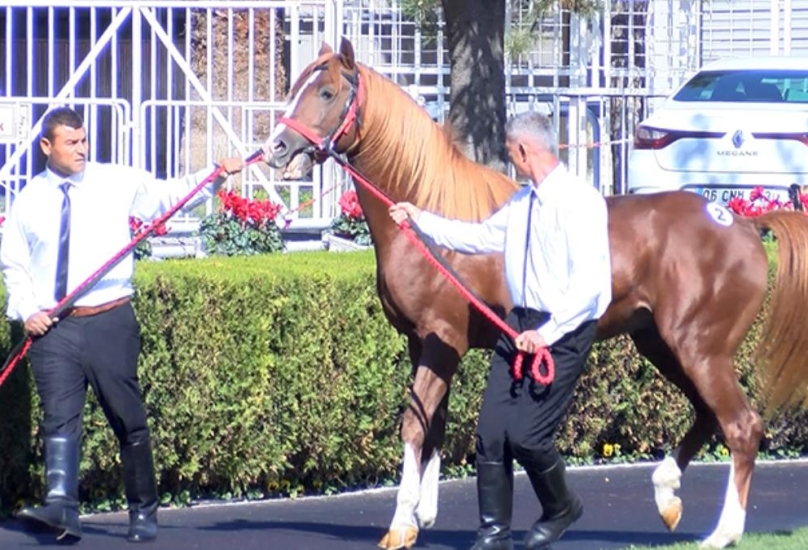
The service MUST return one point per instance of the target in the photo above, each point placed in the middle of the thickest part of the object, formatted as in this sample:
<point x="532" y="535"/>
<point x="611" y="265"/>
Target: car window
<point x="769" y="86"/>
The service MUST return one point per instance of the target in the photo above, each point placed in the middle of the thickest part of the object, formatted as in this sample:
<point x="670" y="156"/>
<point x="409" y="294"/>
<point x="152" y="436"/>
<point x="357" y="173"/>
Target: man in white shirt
<point x="554" y="235"/>
<point x="64" y="225"/>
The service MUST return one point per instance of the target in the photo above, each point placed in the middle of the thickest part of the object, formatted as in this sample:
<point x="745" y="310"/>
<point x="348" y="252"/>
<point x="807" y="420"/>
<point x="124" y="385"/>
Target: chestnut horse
<point x="689" y="279"/>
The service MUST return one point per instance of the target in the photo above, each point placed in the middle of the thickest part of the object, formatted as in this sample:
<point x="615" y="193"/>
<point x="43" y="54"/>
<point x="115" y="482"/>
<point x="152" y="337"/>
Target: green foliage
<point x="224" y="235"/>
<point x="351" y="223"/>
<point x="349" y="227"/>
<point x="241" y="227"/>
<point x="279" y="375"/>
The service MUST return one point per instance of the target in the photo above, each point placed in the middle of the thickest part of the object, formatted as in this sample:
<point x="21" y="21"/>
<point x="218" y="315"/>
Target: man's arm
<point x="467" y="237"/>
<point x="590" y="269"/>
<point x="15" y="260"/>
<point x="155" y="197"/>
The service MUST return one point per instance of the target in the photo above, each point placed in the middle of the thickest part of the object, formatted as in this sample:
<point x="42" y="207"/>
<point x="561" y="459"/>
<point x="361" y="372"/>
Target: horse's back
<point x="677" y="251"/>
<point x="679" y="216"/>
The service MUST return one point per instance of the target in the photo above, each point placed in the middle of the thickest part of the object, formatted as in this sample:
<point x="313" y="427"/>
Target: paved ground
<point x="619" y="512"/>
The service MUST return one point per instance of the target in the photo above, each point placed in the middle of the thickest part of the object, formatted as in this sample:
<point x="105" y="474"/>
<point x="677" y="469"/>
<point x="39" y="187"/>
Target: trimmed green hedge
<point x="279" y="375"/>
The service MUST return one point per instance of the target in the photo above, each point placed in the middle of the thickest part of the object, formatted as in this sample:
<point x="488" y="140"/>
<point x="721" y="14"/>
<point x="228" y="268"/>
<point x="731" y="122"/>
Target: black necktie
<point x="527" y="247"/>
<point x="64" y="245"/>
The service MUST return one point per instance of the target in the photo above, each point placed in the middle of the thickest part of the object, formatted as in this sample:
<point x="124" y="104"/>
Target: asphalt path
<point x="619" y="512"/>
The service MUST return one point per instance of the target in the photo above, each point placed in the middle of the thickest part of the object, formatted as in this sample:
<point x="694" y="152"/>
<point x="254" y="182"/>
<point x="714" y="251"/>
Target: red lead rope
<point x="19" y="351"/>
<point x="543" y="355"/>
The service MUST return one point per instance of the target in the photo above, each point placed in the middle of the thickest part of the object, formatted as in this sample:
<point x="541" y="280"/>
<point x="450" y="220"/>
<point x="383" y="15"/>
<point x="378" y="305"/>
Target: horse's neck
<point x="403" y="164"/>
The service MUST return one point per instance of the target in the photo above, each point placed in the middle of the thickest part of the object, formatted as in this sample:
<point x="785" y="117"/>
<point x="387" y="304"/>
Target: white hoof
<point x="399" y="537"/>
<point x="721" y="540"/>
<point x="733" y="518"/>
<point x="671" y="514"/>
<point x="427" y="510"/>
<point x="427" y="515"/>
<point x="667" y="478"/>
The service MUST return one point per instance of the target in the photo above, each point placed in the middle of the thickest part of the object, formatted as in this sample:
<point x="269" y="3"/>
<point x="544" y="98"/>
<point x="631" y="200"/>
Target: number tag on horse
<point x="720" y="214"/>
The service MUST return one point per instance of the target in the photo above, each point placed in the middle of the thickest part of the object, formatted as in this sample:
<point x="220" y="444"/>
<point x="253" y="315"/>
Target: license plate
<point x="725" y="194"/>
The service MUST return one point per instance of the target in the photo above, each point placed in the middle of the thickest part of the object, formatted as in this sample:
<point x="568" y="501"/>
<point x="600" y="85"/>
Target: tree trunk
<point x="475" y="31"/>
<point x="236" y="86"/>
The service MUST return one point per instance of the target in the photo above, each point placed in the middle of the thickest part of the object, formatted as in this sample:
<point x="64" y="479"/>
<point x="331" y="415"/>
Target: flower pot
<point x="335" y="243"/>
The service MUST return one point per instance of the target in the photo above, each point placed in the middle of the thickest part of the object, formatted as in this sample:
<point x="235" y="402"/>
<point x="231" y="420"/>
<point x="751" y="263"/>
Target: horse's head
<point x="322" y="112"/>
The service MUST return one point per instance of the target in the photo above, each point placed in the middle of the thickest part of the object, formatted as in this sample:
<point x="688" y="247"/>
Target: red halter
<point x="349" y="118"/>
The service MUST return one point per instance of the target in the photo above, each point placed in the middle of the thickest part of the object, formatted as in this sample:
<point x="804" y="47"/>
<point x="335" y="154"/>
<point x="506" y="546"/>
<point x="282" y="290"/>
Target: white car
<point x="735" y="125"/>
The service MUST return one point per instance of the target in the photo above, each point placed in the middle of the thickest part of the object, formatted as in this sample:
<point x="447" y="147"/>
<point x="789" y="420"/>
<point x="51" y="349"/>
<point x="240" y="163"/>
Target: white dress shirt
<point x="569" y="262"/>
<point x="101" y="200"/>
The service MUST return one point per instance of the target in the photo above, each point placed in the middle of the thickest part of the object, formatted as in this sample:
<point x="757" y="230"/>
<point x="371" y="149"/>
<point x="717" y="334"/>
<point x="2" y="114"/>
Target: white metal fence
<point x="171" y="85"/>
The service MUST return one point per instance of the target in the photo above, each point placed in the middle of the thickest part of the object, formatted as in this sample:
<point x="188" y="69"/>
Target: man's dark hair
<point x="61" y="116"/>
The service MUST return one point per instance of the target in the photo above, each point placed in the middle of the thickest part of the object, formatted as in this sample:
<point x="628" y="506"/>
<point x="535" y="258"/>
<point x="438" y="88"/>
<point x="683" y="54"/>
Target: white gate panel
<point x="195" y="81"/>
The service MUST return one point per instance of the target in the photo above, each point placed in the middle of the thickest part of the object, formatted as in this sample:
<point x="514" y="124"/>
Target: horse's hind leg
<point x="743" y="430"/>
<point x="422" y="430"/>
<point x="667" y="476"/>
<point x="717" y="394"/>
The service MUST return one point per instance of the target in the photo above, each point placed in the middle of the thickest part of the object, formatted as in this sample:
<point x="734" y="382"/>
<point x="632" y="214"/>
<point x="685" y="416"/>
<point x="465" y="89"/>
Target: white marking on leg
<point x="733" y="518"/>
<point x="290" y="110"/>
<point x="667" y="478"/>
<point x="427" y="511"/>
<point x="408" y="491"/>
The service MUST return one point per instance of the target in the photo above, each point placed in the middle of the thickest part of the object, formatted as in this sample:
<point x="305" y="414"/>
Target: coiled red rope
<point x="19" y="351"/>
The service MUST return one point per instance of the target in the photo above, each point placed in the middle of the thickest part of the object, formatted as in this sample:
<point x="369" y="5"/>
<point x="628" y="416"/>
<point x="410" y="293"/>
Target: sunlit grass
<point x="785" y="540"/>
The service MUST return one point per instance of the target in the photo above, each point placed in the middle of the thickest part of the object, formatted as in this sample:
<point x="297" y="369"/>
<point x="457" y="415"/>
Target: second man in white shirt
<point x="554" y="235"/>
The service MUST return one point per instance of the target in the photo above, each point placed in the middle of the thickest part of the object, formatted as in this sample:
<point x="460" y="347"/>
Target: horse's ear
<point x="324" y="49"/>
<point x="347" y="53"/>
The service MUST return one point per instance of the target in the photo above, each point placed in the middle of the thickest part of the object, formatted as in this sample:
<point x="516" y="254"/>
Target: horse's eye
<point x="326" y="94"/>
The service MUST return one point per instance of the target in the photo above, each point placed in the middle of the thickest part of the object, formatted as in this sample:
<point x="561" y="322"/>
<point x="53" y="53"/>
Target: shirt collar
<point x="56" y="180"/>
<point x="545" y="189"/>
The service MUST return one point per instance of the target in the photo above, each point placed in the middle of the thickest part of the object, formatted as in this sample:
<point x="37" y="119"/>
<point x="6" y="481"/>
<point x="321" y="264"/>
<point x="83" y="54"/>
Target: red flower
<point x="248" y="211"/>
<point x="349" y="203"/>
<point x="758" y="204"/>
<point x="2" y="220"/>
<point x="135" y="224"/>
<point x="136" y="227"/>
<point x="757" y="193"/>
<point x="161" y="229"/>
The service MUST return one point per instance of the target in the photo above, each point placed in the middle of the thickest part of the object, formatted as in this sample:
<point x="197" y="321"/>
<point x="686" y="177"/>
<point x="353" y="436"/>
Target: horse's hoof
<point x="399" y="537"/>
<point x="715" y="541"/>
<point x="426" y="515"/>
<point x="672" y="513"/>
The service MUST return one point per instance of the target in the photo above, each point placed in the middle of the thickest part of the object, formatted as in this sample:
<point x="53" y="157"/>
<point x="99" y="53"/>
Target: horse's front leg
<point x="422" y="434"/>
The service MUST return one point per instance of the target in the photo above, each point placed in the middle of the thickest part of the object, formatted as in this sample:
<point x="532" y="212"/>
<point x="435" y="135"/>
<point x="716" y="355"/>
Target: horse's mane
<point x="420" y="162"/>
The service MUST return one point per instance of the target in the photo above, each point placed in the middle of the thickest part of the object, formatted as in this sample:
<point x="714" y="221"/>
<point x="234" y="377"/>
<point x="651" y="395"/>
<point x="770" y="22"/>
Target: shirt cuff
<point x="549" y="331"/>
<point x="424" y="220"/>
<point x="206" y="171"/>
<point x="24" y="311"/>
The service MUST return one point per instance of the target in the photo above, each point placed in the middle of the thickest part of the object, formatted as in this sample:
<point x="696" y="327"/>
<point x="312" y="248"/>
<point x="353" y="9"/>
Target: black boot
<point x="61" y="510"/>
<point x="561" y="506"/>
<point x="495" y="497"/>
<point x="141" y="491"/>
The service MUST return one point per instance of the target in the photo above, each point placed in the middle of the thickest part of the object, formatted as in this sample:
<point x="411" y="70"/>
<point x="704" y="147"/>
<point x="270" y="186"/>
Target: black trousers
<point x="519" y="420"/>
<point x="100" y="350"/>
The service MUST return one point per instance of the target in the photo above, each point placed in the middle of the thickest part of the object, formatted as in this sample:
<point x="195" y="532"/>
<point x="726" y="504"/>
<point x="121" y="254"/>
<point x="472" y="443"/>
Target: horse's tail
<point x="782" y="354"/>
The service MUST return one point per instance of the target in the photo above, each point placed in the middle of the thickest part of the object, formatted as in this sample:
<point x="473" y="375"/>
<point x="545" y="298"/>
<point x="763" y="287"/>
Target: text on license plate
<point x="724" y="194"/>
